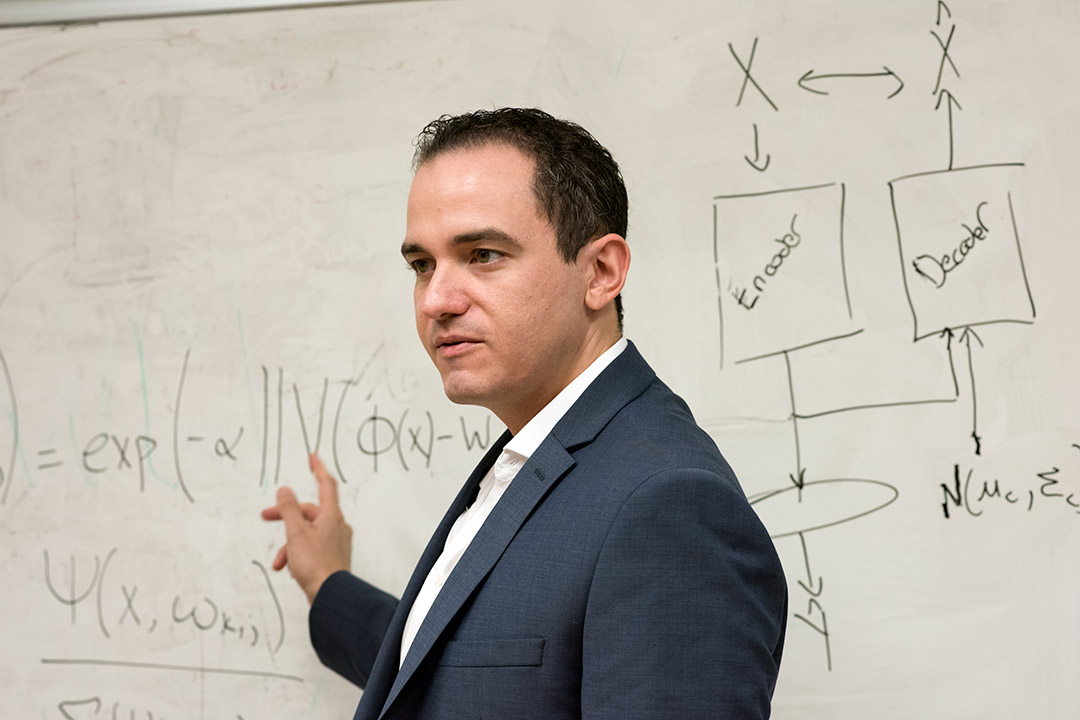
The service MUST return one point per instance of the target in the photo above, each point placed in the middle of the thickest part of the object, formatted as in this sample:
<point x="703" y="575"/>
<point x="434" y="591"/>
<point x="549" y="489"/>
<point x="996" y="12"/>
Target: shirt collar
<point x="524" y="444"/>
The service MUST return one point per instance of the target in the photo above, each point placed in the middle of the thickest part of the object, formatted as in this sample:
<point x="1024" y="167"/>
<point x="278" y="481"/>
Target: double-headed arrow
<point x="810" y="77"/>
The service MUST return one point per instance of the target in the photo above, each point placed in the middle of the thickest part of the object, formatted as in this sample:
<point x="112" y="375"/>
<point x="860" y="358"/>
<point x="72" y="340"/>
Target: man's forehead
<point x="470" y="195"/>
<point x="491" y="156"/>
<point x="497" y="176"/>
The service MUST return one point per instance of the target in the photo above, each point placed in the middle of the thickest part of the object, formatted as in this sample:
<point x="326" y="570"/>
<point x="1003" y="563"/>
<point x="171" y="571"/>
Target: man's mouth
<point x="452" y="346"/>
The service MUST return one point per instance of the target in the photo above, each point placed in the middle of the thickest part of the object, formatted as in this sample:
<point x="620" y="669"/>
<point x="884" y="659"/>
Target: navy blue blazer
<point x="622" y="575"/>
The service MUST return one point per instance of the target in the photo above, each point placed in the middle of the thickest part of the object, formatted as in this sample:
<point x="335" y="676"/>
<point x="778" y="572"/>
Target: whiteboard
<point x="853" y="256"/>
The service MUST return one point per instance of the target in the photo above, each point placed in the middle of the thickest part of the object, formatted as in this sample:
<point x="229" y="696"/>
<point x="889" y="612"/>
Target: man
<point x="601" y="561"/>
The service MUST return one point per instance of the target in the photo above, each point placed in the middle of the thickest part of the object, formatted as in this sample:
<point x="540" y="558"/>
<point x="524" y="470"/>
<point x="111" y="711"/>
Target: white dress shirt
<point x="514" y="455"/>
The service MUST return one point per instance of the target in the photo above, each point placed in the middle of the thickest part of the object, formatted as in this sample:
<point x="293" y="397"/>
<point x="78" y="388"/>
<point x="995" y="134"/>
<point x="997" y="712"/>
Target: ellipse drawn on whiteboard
<point x="818" y="505"/>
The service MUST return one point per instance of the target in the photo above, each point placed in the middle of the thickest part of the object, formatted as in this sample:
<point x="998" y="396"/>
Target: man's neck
<point x="515" y="421"/>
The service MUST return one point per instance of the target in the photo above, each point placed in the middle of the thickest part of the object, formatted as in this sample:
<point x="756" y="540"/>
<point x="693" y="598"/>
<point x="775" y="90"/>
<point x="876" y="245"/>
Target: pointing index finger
<point x="328" y="494"/>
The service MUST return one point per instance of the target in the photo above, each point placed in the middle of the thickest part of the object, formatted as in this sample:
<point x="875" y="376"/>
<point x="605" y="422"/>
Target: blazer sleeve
<point x="347" y="622"/>
<point x="688" y="606"/>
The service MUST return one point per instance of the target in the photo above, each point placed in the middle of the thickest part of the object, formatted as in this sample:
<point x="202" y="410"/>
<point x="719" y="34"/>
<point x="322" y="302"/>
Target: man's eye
<point x="484" y="256"/>
<point x="420" y="265"/>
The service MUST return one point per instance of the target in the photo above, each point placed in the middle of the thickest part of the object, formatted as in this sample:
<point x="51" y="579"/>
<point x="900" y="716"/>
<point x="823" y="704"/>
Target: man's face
<point x="499" y="311"/>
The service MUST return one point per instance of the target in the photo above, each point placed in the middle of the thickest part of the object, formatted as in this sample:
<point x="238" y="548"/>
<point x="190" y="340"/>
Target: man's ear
<point x="607" y="260"/>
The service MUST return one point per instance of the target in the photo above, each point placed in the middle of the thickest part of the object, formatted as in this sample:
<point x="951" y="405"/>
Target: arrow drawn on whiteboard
<point x="965" y="337"/>
<point x="757" y="155"/>
<point x="808" y="77"/>
<point x="950" y="102"/>
<point x="941" y="5"/>
<point x="966" y="334"/>
<point x="948" y="334"/>
<point x="798" y="478"/>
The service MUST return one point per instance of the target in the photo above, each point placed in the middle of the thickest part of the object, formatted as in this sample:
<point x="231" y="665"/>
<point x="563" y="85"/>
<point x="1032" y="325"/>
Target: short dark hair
<point x="577" y="184"/>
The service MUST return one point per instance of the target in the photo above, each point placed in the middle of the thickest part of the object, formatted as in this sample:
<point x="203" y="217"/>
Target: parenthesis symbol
<point x="277" y="604"/>
<point x="101" y="583"/>
<point x="400" y="427"/>
<point x="176" y="427"/>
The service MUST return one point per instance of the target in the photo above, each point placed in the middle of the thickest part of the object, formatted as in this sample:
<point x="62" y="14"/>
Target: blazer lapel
<point x="385" y="668"/>
<point x="536" y="477"/>
<point x="626" y="378"/>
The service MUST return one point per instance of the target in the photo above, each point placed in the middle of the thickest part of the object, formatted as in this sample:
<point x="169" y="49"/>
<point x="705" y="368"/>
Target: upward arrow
<point x="967" y="334"/>
<point x="949" y="102"/>
<point x="965" y="338"/>
<point x="948" y="334"/>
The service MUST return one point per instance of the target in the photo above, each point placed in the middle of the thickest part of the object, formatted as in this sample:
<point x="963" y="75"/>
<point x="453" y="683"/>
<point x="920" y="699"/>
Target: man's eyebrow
<point x="411" y="249"/>
<point x="489" y="234"/>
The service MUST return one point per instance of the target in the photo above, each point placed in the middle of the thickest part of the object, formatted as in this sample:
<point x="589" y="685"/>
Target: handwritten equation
<point x="77" y="584"/>
<point x="123" y="601"/>
<point x="1055" y="489"/>
<point x="363" y="436"/>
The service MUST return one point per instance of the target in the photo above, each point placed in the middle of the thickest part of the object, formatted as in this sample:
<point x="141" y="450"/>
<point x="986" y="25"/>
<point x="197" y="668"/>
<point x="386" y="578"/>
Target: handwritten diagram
<point x="782" y="287"/>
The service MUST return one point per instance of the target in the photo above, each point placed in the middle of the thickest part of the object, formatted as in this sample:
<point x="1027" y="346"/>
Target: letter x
<point x="129" y="597"/>
<point x="944" y="56"/>
<point x="747" y="78"/>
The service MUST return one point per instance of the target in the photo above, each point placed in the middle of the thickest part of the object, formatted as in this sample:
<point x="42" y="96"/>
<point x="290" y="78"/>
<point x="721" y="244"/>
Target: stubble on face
<point x="497" y="308"/>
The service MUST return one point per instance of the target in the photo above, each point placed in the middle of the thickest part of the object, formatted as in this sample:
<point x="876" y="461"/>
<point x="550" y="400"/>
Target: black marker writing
<point x="1049" y="489"/>
<point x="937" y="270"/>
<point x="788" y="242"/>
<point x="136" y="612"/>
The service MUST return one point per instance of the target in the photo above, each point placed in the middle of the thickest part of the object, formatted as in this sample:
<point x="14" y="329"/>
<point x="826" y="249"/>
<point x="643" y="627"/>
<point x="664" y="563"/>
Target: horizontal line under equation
<point x="173" y="668"/>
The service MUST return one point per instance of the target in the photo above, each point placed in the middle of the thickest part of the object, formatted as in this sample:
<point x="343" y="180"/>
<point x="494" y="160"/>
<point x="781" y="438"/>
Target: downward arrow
<point x="757" y="155"/>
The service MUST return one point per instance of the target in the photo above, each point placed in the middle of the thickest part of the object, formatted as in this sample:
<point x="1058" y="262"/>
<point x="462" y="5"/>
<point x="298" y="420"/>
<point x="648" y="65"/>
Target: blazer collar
<point x="622" y="381"/>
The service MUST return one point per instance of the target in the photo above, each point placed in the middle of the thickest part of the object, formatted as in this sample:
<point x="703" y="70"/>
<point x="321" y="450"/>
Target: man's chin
<point x="463" y="393"/>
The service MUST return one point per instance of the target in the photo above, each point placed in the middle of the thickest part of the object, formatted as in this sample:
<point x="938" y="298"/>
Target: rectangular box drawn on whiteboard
<point x="780" y="275"/>
<point x="960" y="248"/>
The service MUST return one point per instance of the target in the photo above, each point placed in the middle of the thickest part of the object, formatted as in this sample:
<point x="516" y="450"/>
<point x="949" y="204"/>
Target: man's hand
<point x="318" y="541"/>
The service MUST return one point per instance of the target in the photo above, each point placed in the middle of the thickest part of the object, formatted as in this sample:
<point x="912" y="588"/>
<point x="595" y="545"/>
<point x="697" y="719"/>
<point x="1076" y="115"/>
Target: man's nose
<point x="444" y="295"/>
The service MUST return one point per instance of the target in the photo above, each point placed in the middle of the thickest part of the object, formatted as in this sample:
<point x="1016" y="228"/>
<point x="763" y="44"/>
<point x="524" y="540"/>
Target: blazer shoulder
<point x="657" y="432"/>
